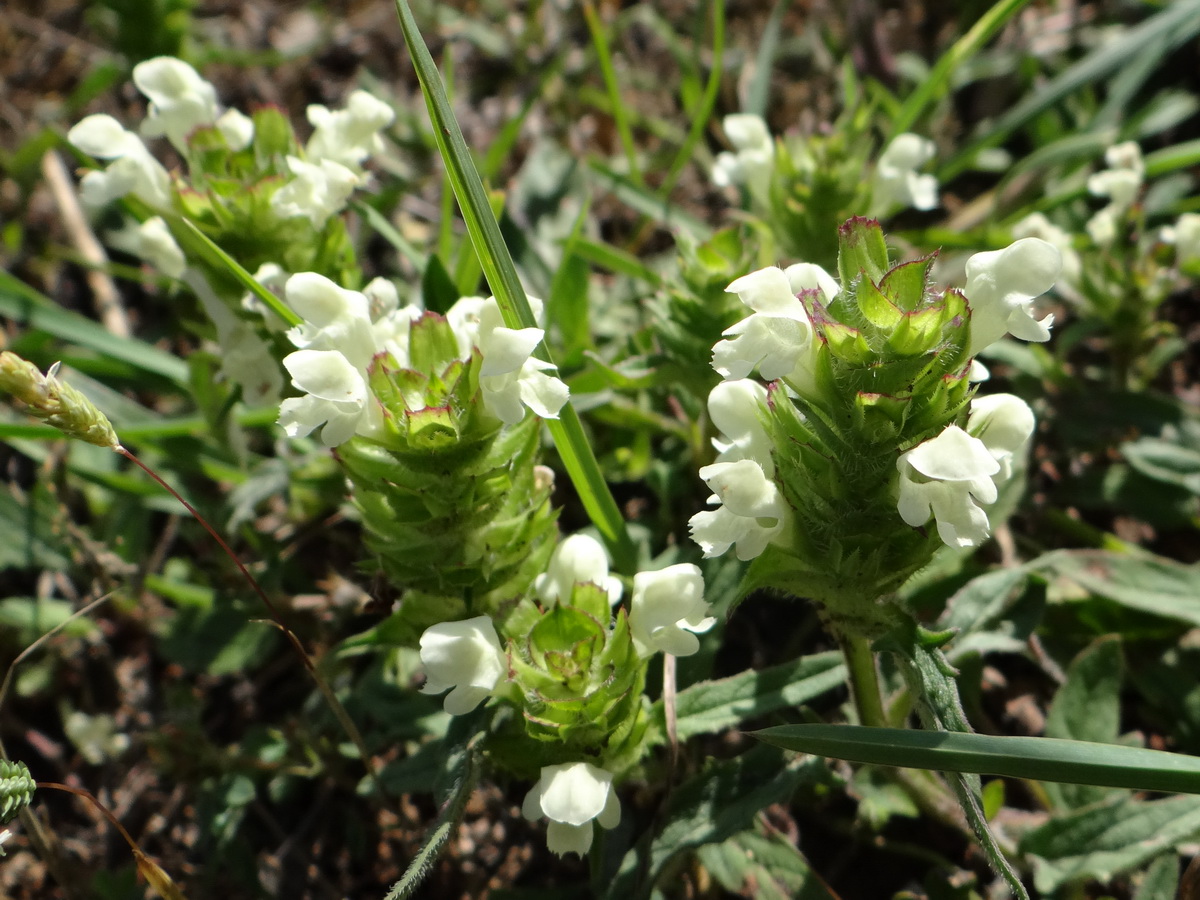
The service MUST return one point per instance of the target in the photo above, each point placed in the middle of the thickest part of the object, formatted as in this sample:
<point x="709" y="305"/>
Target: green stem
<point x="864" y="681"/>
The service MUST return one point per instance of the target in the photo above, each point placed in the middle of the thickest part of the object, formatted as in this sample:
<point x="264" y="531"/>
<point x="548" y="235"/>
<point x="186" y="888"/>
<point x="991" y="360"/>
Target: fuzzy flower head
<point x="948" y="477"/>
<point x="750" y="511"/>
<point x="1001" y="287"/>
<point x="751" y="161"/>
<point x="465" y="656"/>
<point x="896" y="183"/>
<point x="668" y="610"/>
<point x="577" y="559"/>
<point x="180" y="100"/>
<point x="573" y="796"/>
<point x="777" y="339"/>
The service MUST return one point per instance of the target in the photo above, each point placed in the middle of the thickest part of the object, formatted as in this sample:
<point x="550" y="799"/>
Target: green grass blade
<point x="391" y="234"/>
<point x="29" y="307"/>
<point x="202" y="245"/>
<point x="938" y="82"/>
<point x="501" y="274"/>
<point x="1175" y="25"/>
<point x="703" y="111"/>
<point x="764" y="62"/>
<point x="1042" y="759"/>
<point x="617" y="105"/>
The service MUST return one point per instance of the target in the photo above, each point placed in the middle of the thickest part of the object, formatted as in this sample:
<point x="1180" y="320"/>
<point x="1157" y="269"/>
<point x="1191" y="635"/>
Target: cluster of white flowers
<point x="181" y="101"/>
<point x="344" y="330"/>
<point x="1120" y="183"/>
<point x="949" y="476"/>
<point x="896" y="183"/>
<point x="750" y="510"/>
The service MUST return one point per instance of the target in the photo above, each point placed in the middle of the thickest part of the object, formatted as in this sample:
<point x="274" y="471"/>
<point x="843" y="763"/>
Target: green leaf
<point x="1160" y="881"/>
<point x="714" y="805"/>
<point x="713" y="706"/>
<point x="763" y="866"/>
<point x="1103" y="841"/>
<point x="1149" y="584"/>
<point x="1087" y="708"/>
<point x="1043" y="759"/>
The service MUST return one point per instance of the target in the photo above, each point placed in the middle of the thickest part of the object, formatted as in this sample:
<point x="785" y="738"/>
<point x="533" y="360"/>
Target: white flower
<point x="736" y="407"/>
<point x="1001" y="287"/>
<point x="337" y="344"/>
<point x="350" y="135"/>
<point x="1185" y="235"/>
<point x="751" y="514"/>
<point x="896" y="182"/>
<point x="668" y="610"/>
<point x="337" y="398"/>
<point x="572" y="796"/>
<point x="777" y="338"/>
<point x="132" y="170"/>
<point x="237" y="128"/>
<point x="334" y="318"/>
<point x="465" y="656"/>
<point x="246" y="359"/>
<point x="180" y="100"/>
<point x="947" y="476"/>
<point x="1120" y="182"/>
<point x="316" y="192"/>
<point x="1005" y="424"/>
<point x="272" y="277"/>
<point x="1038" y="226"/>
<point x="95" y="737"/>
<point x="5" y="836"/>
<point x="152" y="241"/>
<point x="754" y="153"/>
<point x="578" y="558"/>
<point x="510" y="377"/>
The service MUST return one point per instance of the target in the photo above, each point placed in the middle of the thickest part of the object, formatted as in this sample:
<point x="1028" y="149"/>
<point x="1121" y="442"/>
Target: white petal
<point x="767" y="291"/>
<point x="103" y="137"/>
<point x="562" y="838"/>
<point x="953" y="456"/>
<point x="574" y="793"/>
<point x="326" y="374"/>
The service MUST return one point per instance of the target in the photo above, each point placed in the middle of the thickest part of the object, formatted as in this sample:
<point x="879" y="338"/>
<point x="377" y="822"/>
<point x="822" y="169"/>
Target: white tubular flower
<point x="1001" y="287"/>
<point x="751" y="514"/>
<point x="572" y="796"/>
<point x="896" y="182"/>
<point x="735" y="407"/>
<point x="578" y="558"/>
<point x="237" y="128"/>
<point x="349" y="135"/>
<point x="337" y="398"/>
<point x="151" y="241"/>
<point x="1005" y="424"/>
<point x="334" y="318"/>
<point x="511" y="379"/>
<point x="132" y="170"/>
<point x="316" y="192"/>
<point x="180" y="100"/>
<point x="1120" y="183"/>
<point x="1185" y="235"/>
<point x="777" y="338"/>
<point x="946" y="477"/>
<point x="668" y="610"/>
<point x="1037" y="225"/>
<point x="465" y="656"/>
<point x="754" y="153"/>
<point x="246" y="359"/>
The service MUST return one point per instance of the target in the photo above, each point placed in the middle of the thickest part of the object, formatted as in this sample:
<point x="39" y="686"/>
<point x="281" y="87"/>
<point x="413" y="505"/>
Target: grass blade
<point x="937" y="83"/>
<point x="1175" y="25"/>
<point x="1042" y="759"/>
<point x="29" y="307"/>
<point x="618" y="107"/>
<point x="501" y="274"/>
